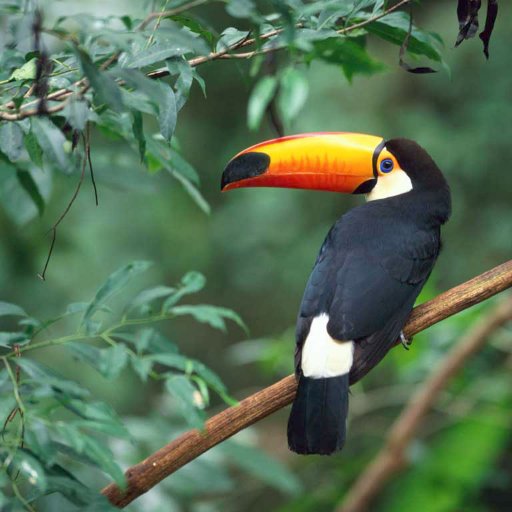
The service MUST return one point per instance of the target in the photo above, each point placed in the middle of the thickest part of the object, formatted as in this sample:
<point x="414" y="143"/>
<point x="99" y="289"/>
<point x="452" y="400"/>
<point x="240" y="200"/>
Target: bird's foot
<point x="404" y="341"/>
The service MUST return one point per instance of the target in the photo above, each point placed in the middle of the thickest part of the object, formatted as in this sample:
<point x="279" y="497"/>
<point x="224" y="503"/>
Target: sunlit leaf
<point x="25" y="72"/>
<point x="293" y="93"/>
<point x="261" y="96"/>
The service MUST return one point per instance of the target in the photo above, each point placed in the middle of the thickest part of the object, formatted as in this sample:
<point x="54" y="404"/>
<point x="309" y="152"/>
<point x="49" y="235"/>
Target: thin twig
<point x="145" y="475"/>
<point x="393" y="457"/>
<point x="62" y="216"/>
<point x="87" y="141"/>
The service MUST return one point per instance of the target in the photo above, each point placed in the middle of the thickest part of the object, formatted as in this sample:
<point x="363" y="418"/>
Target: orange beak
<point x="338" y="162"/>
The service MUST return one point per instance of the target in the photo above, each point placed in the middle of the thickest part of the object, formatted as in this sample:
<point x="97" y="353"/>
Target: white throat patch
<point x="389" y="185"/>
<point x="323" y="356"/>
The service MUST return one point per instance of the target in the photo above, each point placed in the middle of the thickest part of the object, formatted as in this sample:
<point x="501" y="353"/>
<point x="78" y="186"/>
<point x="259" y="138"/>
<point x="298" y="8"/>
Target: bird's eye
<point x="386" y="165"/>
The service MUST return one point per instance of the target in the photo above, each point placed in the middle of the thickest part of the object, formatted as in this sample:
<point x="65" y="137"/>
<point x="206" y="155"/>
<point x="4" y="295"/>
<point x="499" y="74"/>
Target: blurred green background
<point x="257" y="248"/>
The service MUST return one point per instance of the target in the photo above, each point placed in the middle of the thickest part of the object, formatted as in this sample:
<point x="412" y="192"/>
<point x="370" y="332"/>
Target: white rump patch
<point x="323" y="356"/>
<point x="389" y="185"/>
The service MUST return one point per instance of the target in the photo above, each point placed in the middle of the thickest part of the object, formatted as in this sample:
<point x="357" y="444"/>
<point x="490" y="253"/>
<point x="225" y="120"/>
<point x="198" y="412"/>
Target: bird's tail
<point x="318" y="419"/>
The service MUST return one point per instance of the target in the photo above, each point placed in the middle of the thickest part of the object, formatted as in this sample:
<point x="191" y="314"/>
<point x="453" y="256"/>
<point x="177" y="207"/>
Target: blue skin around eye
<point x="386" y="165"/>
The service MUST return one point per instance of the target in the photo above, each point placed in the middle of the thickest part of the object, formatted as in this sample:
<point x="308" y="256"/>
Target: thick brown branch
<point x="392" y="457"/>
<point x="146" y="474"/>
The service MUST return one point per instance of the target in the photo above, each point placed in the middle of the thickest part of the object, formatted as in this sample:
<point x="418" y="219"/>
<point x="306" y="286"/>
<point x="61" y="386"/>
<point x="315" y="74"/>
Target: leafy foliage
<point x="118" y="73"/>
<point x="52" y="421"/>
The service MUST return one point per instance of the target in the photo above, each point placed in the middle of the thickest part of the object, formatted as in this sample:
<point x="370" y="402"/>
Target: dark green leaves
<point x="11" y="140"/>
<point x="31" y="188"/>
<point x="167" y="111"/>
<point x="105" y="87"/>
<point x="349" y="54"/>
<point x="394" y="28"/>
<point x="52" y="142"/>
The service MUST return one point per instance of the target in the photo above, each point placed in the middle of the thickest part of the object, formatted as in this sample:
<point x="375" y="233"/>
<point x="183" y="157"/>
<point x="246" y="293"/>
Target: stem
<point x="50" y="343"/>
<point x="15" y="389"/>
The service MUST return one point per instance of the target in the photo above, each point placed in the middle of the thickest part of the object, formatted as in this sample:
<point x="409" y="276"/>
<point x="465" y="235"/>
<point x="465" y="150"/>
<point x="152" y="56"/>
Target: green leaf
<point x="149" y="295"/>
<point x="229" y="37"/>
<point x="347" y="53"/>
<point x="52" y="141"/>
<point x="184" y="81"/>
<point x="104" y="458"/>
<point x="156" y="53"/>
<point x="257" y="463"/>
<point x="189" y="399"/>
<point x="261" y="97"/>
<point x="25" y="72"/>
<point x="30" y="186"/>
<point x="106" y="89"/>
<point x="108" y="361"/>
<point x="394" y="28"/>
<point x="293" y="93"/>
<point x="167" y="111"/>
<point x="11" y="140"/>
<point x="142" y="366"/>
<point x="211" y="315"/>
<point x="192" y="282"/>
<point x="30" y="468"/>
<point x="43" y="375"/>
<point x="33" y="149"/>
<point x="77" y="113"/>
<point x="138" y="133"/>
<point x="113" y="360"/>
<point x="8" y="309"/>
<point x="113" y="284"/>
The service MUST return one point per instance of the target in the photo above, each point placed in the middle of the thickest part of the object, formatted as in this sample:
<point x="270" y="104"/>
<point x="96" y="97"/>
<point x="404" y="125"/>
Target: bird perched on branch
<point x="371" y="267"/>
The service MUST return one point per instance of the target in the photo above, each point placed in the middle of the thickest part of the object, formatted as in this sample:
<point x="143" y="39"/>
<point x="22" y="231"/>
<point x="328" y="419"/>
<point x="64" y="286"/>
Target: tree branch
<point x="393" y="458"/>
<point x="146" y="474"/>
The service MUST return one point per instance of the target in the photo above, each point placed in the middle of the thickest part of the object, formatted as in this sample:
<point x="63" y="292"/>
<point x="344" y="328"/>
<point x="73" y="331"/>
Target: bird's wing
<point x="367" y="279"/>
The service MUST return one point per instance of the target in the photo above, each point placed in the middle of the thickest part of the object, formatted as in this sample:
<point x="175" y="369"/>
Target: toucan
<point x="370" y="269"/>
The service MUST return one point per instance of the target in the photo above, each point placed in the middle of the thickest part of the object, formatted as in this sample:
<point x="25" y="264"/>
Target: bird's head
<point x="352" y="163"/>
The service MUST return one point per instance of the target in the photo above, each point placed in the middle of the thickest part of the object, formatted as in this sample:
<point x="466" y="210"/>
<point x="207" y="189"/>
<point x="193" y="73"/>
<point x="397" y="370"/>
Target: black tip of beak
<point x="247" y="165"/>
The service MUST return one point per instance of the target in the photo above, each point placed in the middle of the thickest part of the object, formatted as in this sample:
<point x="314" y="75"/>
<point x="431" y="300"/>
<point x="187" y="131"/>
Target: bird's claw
<point x="404" y="341"/>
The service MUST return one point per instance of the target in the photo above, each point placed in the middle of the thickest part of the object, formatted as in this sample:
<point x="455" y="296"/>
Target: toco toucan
<point x="371" y="267"/>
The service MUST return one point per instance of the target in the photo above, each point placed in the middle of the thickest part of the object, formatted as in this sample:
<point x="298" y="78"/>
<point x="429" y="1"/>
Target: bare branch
<point x="145" y="475"/>
<point x="392" y="457"/>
